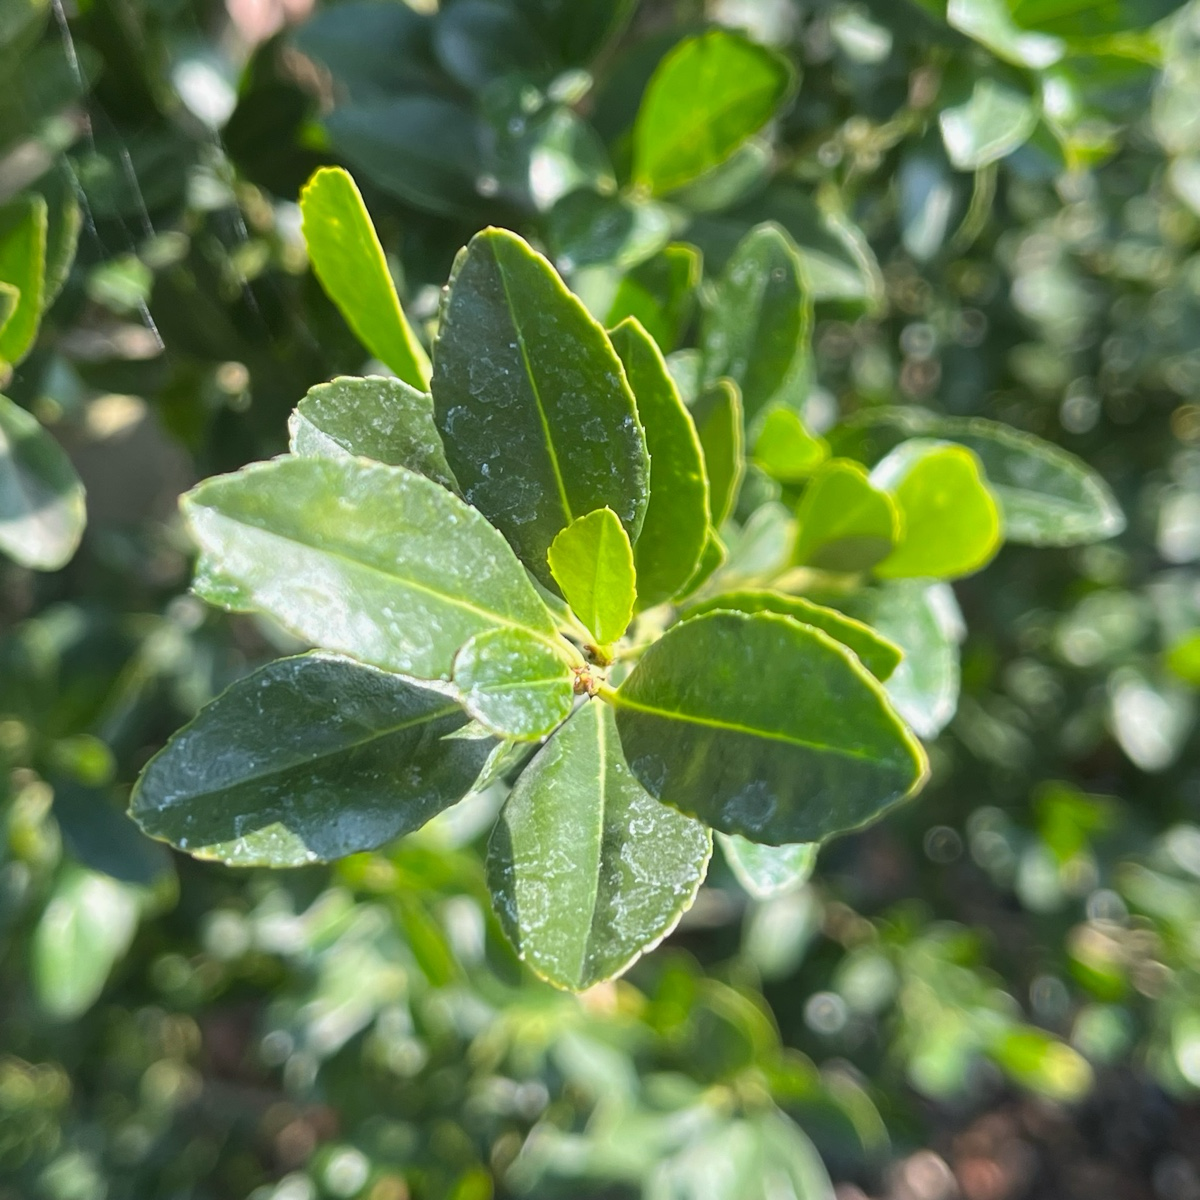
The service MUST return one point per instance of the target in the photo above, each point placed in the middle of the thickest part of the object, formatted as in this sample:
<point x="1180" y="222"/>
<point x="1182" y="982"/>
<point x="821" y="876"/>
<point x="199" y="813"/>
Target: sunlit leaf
<point x="23" y="224"/>
<point x="784" y="448"/>
<point x="592" y="562"/>
<point x="845" y="523"/>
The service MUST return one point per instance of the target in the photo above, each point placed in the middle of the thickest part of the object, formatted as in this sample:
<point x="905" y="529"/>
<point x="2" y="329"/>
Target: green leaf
<point x="990" y="23"/>
<point x="712" y="721"/>
<point x="586" y="228"/>
<point x="951" y="523"/>
<point x="675" y="530"/>
<point x="23" y="225"/>
<point x="711" y="560"/>
<point x="768" y="871"/>
<point x="876" y="653"/>
<point x="1047" y="496"/>
<point x="516" y="685"/>
<point x="706" y="97"/>
<point x="988" y="116"/>
<point x="717" y="414"/>
<point x="538" y="420"/>
<point x="785" y="450"/>
<point x="845" y="524"/>
<point x="1183" y="659"/>
<point x="1073" y="20"/>
<point x="348" y="260"/>
<point x="383" y="419"/>
<point x="306" y="760"/>
<point x="369" y="560"/>
<point x="42" y="511"/>
<point x="925" y="622"/>
<point x="757" y="329"/>
<point x="10" y="297"/>
<point x="660" y="293"/>
<point x="84" y="931"/>
<point x="64" y="223"/>
<point x="586" y="870"/>
<point x="592" y="562"/>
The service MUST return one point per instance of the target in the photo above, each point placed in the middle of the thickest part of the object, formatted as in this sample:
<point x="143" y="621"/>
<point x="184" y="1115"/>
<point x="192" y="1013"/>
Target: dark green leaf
<point x="767" y="871"/>
<point x="348" y="259"/>
<point x="714" y="721"/>
<point x="306" y="760"/>
<point x="22" y="265"/>
<point x="369" y="560"/>
<point x="845" y="523"/>
<point x="707" y="96"/>
<point x="586" y="228"/>
<point x="720" y="425"/>
<point x="675" y="530"/>
<point x="586" y="870"/>
<point x="1072" y="19"/>
<point x="660" y="293"/>
<point x="592" y="562"/>
<point x="41" y="499"/>
<point x="539" y="423"/>
<point x="479" y="42"/>
<point x="383" y="419"/>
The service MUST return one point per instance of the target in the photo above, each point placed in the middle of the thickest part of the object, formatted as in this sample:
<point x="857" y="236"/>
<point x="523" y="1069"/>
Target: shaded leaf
<point x="660" y="293"/>
<point x="986" y="118"/>
<point x="587" y="871"/>
<point x="711" y="560"/>
<point x="592" y="562"/>
<point x="766" y="871"/>
<point x="717" y="414"/>
<point x="845" y="523"/>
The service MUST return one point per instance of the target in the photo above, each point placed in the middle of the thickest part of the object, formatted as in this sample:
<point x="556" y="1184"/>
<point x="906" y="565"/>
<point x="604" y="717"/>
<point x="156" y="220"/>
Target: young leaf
<point x="757" y="330"/>
<point x="592" y="562"/>
<point x="717" y="414"/>
<point x="845" y="523"/>
<point x="587" y="871"/>
<point x="950" y="520"/>
<point x="876" y="653"/>
<point x="676" y="526"/>
<point x="23" y="225"/>
<point x="708" y="96"/>
<point x="383" y="419"/>
<point x="307" y="759"/>
<point x="539" y="423"/>
<point x="348" y="260"/>
<point x="764" y="727"/>
<point x="767" y="871"/>
<point x="517" y="685"/>
<point x="373" y="561"/>
<point x="41" y="499"/>
<point x="785" y="450"/>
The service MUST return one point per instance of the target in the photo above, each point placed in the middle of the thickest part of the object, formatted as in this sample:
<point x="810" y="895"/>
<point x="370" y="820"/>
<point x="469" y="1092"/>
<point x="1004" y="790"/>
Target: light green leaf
<point x="84" y="931"/>
<point x="785" y="450"/>
<point x="42" y="511"/>
<point x="712" y="721"/>
<point x="1183" y="659"/>
<point x="306" y="760"/>
<point x="10" y="297"/>
<point x="384" y="419"/>
<point x="348" y="260"/>
<point x="586" y="870"/>
<point x="988" y="117"/>
<point x="674" y="532"/>
<point x="767" y="871"/>
<point x="876" y="653"/>
<point x="925" y="622"/>
<point x="23" y="225"/>
<point x="592" y="562"/>
<point x="516" y="685"/>
<point x="757" y="329"/>
<point x="951" y="523"/>
<point x="707" y="96"/>
<point x="369" y="560"/>
<point x="845" y="524"/>
<point x="1047" y="496"/>
<point x="990" y="23"/>
<point x="720" y="425"/>
<point x="538" y="420"/>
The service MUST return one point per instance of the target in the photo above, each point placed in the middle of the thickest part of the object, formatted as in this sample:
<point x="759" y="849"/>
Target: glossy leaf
<point x="720" y="425"/>
<point x="369" y="560"/>
<point x="538" y="421"/>
<point x="23" y="224"/>
<point x="767" y="871"/>
<point x="516" y="685"/>
<point x="876" y="653"/>
<point x="346" y="255"/>
<point x="592" y="562"/>
<point x="766" y="728"/>
<point x="757" y="329"/>
<point x="987" y="117"/>
<point x="707" y="96"/>
<point x="586" y="228"/>
<point x="674" y="532"/>
<point x="586" y="870"/>
<point x="990" y="23"/>
<point x="784" y="448"/>
<point x="951" y="523"/>
<point x="845" y="523"/>
<point x="41" y="499"/>
<point x="383" y="419"/>
<point x="306" y="760"/>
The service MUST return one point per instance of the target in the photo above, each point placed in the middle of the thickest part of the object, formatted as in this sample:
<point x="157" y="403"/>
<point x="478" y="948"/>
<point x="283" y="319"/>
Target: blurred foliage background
<point x="994" y="993"/>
